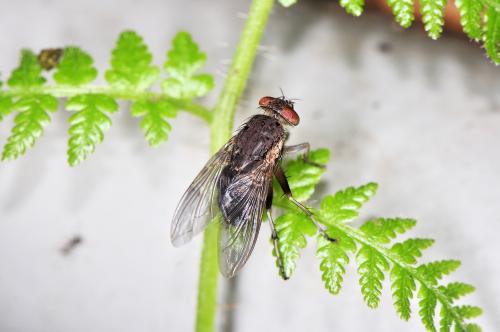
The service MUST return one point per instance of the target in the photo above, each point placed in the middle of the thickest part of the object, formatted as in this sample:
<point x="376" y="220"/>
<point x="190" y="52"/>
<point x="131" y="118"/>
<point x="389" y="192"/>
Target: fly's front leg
<point x="274" y="234"/>
<point x="281" y="177"/>
<point x="302" y="149"/>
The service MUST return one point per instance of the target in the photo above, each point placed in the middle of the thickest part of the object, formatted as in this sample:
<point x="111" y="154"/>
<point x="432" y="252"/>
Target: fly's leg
<point x="274" y="237"/>
<point x="302" y="149"/>
<point x="281" y="177"/>
<point x="274" y="234"/>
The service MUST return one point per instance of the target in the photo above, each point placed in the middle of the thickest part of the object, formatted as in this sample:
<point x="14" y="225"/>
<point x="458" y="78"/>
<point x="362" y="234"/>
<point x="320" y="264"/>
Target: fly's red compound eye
<point x="265" y="101"/>
<point x="289" y="114"/>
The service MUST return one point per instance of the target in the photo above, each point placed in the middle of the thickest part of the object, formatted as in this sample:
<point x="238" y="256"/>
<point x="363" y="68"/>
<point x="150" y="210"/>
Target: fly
<point x="236" y="184"/>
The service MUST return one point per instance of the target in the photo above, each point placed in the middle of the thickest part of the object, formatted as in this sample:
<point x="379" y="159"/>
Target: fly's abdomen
<point x="234" y="192"/>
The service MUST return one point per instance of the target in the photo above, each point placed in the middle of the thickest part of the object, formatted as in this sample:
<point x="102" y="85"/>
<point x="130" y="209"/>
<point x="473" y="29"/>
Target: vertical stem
<point x="207" y="284"/>
<point x="221" y="129"/>
<point x="238" y="74"/>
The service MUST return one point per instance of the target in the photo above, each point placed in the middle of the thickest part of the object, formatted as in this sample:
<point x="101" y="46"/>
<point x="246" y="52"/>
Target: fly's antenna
<point x="282" y="94"/>
<point x="290" y="100"/>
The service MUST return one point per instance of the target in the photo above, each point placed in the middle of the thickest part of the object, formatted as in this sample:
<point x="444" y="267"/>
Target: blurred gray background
<point x="421" y="118"/>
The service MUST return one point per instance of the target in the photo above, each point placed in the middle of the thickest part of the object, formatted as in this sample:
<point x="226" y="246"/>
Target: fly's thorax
<point x="259" y="139"/>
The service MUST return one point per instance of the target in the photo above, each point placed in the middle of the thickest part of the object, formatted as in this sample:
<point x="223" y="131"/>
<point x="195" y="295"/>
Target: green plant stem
<point x="123" y="94"/>
<point x="238" y="74"/>
<point x="221" y="129"/>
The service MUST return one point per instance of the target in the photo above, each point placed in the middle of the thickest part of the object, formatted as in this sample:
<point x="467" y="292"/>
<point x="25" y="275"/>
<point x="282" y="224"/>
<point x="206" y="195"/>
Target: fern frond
<point x="470" y="17"/>
<point x="492" y="34"/>
<point x="353" y="7"/>
<point x="154" y="122"/>
<point x="375" y="256"/>
<point x="88" y="124"/>
<point x="33" y="108"/>
<point x="456" y="290"/>
<point x="433" y="16"/>
<point x="28" y="74"/>
<point x="292" y="230"/>
<point x="427" y="304"/>
<point x="446" y="319"/>
<point x="183" y="61"/>
<point x="333" y="258"/>
<point x="5" y="106"/>
<point x="75" y="68"/>
<point x="404" y="276"/>
<point x="33" y="116"/>
<point x="403" y="11"/>
<point x="469" y="328"/>
<point x="304" y="177"/>
<point x="371" y="267"/>
<point x="130" y="76"/>
<point x="131" y="64"/>
<point x="384" y="230"/>
<point x="411" y="249"/>
<point x="345" y="204"/>
<point x="403" y="286"/>
<point x="434" y="271"/>
<point x="469" y="311"/>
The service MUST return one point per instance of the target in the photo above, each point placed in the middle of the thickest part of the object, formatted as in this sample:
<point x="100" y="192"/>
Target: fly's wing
<point x="197" y="206"/>
<point x="242" y="207"/>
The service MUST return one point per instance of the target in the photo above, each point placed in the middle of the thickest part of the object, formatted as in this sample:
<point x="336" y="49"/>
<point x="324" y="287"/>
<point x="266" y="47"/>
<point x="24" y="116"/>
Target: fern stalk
<point x="221" y="129"/>
<point x="62" y="91"/>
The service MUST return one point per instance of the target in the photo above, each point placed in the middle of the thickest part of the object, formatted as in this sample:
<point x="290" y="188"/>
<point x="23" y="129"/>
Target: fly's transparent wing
<point x="198" y="205"/>
<point x="243" y="205"/>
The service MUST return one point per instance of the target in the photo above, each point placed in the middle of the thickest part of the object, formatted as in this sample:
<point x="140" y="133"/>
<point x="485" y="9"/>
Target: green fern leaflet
<point x="131" y="64"/>
<point x="154" y="122"/>
<point x="33" y="116"/>
<point x="32" y="108"/>
<point x="88" y="124"/>
<point x="75" y="68"/>
<point x="184" y="61"/>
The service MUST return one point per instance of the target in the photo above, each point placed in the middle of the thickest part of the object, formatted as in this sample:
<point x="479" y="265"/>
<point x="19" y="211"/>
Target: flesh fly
<point x="235" y="186"/>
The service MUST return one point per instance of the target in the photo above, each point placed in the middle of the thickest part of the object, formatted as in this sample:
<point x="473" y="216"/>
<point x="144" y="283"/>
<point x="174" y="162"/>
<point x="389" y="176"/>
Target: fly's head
<point x="280" y="108"/>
